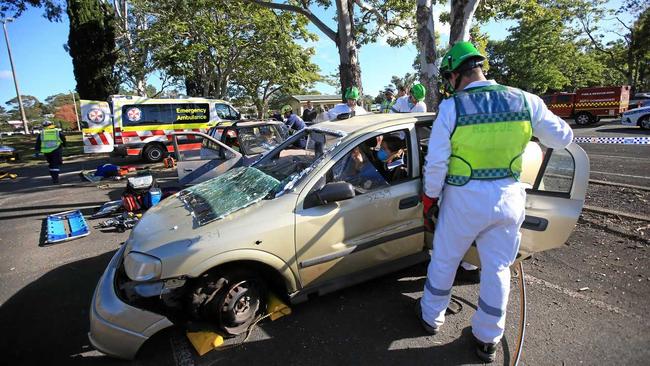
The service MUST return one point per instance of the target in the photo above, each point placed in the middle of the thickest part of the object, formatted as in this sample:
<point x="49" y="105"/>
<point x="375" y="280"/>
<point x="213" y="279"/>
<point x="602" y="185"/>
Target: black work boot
<point x="431" y="329"/>
<point x="467" y="276"/>
<point x="487" y="352"/>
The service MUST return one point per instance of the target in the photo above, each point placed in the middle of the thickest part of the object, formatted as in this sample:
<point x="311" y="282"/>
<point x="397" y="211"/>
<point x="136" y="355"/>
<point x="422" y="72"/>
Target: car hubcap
<point x="154" y="154"/>
<point x="583" y="120"/>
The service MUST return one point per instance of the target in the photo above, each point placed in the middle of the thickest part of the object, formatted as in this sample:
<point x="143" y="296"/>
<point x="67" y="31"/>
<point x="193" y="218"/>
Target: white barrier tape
<point x="613" y="140"/>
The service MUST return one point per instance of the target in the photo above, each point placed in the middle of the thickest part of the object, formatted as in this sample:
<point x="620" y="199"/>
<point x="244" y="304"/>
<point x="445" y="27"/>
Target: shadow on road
<point x="46" y="322"/>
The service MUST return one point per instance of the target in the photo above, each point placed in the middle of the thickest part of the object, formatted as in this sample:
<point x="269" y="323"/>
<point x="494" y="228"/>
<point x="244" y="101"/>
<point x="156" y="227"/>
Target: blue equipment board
<point x="66" y="226"/>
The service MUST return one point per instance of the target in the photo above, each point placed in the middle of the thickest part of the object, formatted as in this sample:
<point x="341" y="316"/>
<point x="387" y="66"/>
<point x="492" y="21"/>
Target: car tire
<point x="232" y="300"/>
<point x="644" y="122"/>
<point x="154" y="153"/>
<point x="584" y="118"/>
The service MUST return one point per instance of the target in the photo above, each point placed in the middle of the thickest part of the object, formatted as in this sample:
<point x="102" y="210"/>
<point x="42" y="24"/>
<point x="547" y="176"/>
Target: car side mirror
<point x="334" y="192"/>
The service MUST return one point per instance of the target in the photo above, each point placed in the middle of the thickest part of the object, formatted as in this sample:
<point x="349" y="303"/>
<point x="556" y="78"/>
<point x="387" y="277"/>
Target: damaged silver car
<point x="319" y="212"/>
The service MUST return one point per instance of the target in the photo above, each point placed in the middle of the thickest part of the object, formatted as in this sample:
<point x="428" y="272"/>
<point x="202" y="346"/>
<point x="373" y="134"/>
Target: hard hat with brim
<point x="459" y="53"/>
<point x="46" y="123"/>
<point x="418" y="92"/>
<point x="286" y="108"/>
<point x="352" y="93"/>
<point x="389" y="91"/>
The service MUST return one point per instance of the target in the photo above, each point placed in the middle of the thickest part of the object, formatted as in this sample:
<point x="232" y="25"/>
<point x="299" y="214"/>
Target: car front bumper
<point x="117" y="328"/>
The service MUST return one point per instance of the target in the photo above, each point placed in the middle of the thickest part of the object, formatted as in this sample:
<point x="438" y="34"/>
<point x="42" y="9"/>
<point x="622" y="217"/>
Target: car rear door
<point x="554" y="200"/>
<point x="198" y="165"/>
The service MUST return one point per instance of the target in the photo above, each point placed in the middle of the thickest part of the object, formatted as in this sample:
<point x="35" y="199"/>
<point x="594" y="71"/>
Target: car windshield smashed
<point x="271" y="176"/>
<point x="227" y="193"/>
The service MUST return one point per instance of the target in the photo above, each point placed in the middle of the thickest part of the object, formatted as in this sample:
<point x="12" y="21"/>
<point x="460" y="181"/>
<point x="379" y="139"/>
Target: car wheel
<point x="644" y="122"/>
<point x="584" y="118"/>
<point x="232" y="300"/>
<point x="154" y="153"/>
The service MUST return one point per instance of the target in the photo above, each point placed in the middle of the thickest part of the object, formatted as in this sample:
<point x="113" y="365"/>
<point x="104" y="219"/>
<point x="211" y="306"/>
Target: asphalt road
<point x="45" y="291"/>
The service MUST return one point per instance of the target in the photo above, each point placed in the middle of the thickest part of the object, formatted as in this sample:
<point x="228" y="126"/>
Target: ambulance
<point x="143" y="127"/>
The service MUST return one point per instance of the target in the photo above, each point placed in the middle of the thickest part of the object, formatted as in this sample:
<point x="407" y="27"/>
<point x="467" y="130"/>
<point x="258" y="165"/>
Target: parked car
<point x="229" y="144"/>
<point x="301" y="221"/>
<point x="637" y="117"/>
<point x="640" y="100"/>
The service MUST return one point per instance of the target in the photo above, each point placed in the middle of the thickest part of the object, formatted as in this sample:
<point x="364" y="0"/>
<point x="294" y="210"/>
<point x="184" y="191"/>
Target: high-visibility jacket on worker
<point x="493" y="127"/>
<point x="386" y="105"/>
<point x="50" y="140"/>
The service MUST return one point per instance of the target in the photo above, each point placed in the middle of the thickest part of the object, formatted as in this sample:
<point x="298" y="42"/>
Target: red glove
<point x="430" y="206"/>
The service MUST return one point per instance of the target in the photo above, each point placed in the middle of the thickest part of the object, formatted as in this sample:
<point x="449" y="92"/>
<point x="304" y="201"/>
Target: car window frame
<point x="318" y="175"/>
<point x="548" y="153"/>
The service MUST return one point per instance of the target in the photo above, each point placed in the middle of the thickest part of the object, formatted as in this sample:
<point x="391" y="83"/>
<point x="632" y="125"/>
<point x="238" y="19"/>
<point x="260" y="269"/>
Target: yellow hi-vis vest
<point x="493" y="126"/>
<point x="50" y="140"/>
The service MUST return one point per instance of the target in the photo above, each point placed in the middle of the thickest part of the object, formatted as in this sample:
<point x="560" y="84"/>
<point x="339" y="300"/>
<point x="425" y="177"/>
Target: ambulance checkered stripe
<point x="492" y="118"/>
<point x="613" y="140"/>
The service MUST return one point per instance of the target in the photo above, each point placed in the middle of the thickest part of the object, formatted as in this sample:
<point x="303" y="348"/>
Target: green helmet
<point x="286" y="108"/>
<point x="352" y="93"/>
<point x="418" y="92"/>
<point x="457" y="54"/>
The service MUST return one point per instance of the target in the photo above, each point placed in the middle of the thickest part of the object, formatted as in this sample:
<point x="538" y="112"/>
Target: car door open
<point x="198" y="165"/>
<point x="554" y="200"/>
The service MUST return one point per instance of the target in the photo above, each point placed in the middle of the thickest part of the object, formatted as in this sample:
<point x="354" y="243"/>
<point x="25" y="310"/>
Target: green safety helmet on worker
<point x="286" y="108"/>
<point x="352" y="92"/>
<point x="455" y="61"/>
<point x="418" y="92"/>
<point x="457" y="54"/>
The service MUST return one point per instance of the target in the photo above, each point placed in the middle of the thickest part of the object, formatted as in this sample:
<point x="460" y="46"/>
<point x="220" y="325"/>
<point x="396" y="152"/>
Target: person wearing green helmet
<point x="292" y="121"/>
<point x="413" y="102"/>
<point x="350" y="107"/>
<point x="474" y="161"/>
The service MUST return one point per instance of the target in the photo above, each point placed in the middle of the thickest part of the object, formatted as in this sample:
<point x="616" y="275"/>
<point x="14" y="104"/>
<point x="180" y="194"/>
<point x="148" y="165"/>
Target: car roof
<point x="372" y="121"/>
<point x="246" y="123"/>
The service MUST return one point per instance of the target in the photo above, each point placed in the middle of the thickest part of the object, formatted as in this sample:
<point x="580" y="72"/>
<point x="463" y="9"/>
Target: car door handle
<point x="188" y="169"/>
<point x="535" y="223"/>
<point x="409" y="202"/>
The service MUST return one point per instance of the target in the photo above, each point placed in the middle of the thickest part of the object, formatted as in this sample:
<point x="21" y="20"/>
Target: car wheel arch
<point x="268" y="265"/>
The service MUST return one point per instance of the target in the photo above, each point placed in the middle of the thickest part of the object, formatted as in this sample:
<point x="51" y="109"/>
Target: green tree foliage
<point x="91" y="43"/>
<point x="34" y="109"/>
<point x="630" y="53"/>
<point x="543" y="54"/>
<point x="14" y="8"/>
<point x="228" y="49"/>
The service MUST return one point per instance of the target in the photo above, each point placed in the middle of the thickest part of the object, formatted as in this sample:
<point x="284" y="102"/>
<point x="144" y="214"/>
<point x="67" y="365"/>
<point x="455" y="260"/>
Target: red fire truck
<point x="588" y="105"/>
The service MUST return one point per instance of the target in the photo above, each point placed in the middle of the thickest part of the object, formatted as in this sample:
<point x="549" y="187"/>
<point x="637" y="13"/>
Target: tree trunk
<point x="462" y="12"/>
<point x="427" y="48"/>
<point x="349" y="70"/>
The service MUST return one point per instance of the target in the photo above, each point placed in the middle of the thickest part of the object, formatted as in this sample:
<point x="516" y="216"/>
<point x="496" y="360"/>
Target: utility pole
<point x="76" y="114"/>
<point x="13" y="71"/>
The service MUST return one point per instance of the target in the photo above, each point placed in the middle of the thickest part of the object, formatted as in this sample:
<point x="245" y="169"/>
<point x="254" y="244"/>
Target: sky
<point x="44" y="68"/>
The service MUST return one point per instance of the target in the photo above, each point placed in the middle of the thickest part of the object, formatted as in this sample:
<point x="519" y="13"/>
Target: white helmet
<point x="46" y="123"/>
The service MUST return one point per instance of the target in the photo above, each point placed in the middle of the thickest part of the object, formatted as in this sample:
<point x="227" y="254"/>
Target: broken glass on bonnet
<point x="275" y="173"/>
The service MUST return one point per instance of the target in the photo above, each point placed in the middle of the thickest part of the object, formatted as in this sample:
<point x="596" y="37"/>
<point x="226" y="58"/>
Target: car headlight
<point x="142" y="267"/>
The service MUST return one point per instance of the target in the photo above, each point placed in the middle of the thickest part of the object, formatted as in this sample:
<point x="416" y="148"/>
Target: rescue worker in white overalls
<point x="50" y="143"/>
<point x="473" y="164"/>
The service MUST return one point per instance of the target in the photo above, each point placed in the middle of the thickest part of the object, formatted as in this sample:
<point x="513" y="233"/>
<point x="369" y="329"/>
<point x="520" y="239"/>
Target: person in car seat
<point x="393" y="156"/>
